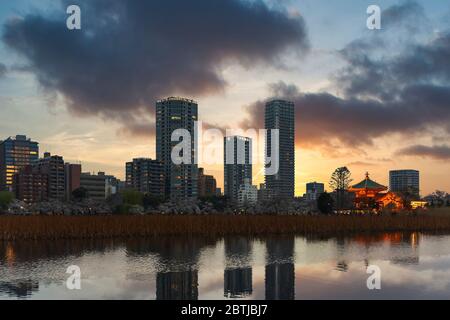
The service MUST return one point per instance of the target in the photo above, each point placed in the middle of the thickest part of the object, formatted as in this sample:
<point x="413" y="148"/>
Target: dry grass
<point x="107" y="227"/>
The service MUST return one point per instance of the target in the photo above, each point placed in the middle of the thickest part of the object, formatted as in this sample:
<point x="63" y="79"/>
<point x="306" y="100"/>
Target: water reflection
<point x="19" y="289"/>
<point x="280" y="270"/>
<point x="238" y="270"/>
<point x="182" y="285"/>
<point x="278" y="267"/>
<point x="177" y="278"/>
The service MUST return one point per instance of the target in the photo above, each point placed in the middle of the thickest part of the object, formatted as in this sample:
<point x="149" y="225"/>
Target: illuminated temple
<point x="371" y="195"/>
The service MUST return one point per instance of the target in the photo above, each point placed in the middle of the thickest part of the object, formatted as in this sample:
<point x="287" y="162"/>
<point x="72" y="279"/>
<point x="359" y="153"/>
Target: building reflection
<point x="238" y="270"/>
<point x="181" y="285"/>
<point x="34" y="251"/>
<point x="341" y="247"/>
<point x="280" y="269"/>
<point x="20" y="288"/>
<point x="403" y="247"/>
<point x="177" y="276"/>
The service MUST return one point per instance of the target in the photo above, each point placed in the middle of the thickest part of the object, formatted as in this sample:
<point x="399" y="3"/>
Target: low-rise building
<point x="313" y="191"/>
<point x="73" y="178"/>
<point x="95" y="185"/>
<point x="247" y="194"/>
<point x="207" y="185"/>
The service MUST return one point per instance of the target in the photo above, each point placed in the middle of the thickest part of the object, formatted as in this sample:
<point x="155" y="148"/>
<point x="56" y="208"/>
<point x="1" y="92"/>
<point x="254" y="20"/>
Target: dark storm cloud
<point x="130" y="53"/>
<point x="372" y="71"/>
<point x="322" y="117"/>
<point x="440" y="152"/>
<point x="408" y="13"/>
<point x="382" y="93"/>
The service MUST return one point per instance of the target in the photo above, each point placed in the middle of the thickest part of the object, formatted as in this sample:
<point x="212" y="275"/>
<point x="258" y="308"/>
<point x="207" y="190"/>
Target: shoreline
<point x="106" y="227"/>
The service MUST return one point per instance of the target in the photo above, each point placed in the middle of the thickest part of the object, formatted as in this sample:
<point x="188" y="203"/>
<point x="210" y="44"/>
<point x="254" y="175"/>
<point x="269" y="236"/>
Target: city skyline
<point x="341" y="117"/>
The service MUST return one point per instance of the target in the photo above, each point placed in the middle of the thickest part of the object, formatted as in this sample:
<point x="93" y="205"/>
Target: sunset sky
<point x="372" y="100"/>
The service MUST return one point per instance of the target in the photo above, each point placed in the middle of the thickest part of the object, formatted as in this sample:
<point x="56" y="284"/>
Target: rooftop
<point x="177" y="99"/>
<point x="368" y="184"/>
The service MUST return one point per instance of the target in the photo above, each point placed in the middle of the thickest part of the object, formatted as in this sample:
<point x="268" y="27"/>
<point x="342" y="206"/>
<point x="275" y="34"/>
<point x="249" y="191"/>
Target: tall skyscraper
<point x="280" y="114"/>
<point x="146" y="175"/>
<point x="172" y="114"/>
<point x="404" y="181"/>
<point x="237" y="164"/>
<point x="15" y="153"/>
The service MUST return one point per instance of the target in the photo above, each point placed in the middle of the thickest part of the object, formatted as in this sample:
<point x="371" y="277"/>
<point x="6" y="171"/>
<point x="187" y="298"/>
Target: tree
<point x="325" y="203"/>
<point x="219" y="203"/>
<point x="339" y="183"/>
<point x="80" y="194"/>
<point x="6" y="198"/>
<point x="409" y="195"/>
<point x="438" y="198"/>
<point x="152" y="201"/>
<point x="133" y="197"/>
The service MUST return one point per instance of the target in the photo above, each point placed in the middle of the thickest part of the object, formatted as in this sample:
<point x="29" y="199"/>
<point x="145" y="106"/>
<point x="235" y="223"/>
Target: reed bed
<point x="107" y="227"/>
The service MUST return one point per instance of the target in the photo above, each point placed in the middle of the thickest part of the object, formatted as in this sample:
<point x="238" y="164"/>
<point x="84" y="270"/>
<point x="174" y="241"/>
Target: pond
<point x="412" y="266"/>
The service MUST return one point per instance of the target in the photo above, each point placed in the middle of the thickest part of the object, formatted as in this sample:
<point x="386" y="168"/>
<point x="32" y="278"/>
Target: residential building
<point x="73" y="178"/>
<point x="237" y="164"/>
<point x="146" y="175"/>
<point x="15" y="153"/>
<point x="263" y="192"/>
<point x="53" y="167"/>
<point x="247" y="194"/>
<point x="313" y="191"/>
<point x="173" y="114"/>
<point x="405" y="181"/>
<point x="280" y="115"/>
<point x="207" y="184"/>
<point x="95" y="184"/>
<point x="112" y="185"/>
<point x="30" y="186"/>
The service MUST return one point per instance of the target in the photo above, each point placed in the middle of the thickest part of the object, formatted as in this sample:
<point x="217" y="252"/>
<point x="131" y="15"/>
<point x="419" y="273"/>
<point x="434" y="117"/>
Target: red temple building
<point x="371" y="195"/>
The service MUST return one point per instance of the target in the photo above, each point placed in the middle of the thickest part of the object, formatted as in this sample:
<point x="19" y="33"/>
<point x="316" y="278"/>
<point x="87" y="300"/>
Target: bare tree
<point x="339" y="183"/>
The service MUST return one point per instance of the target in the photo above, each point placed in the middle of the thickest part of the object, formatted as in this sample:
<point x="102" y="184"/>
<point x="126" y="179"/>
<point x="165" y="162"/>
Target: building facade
<point x="207" y="184"/>
<point x="112" y="185"/>
<point x="73" y="178"/>
<point x="247" y="194"/>
<point x="237" y="164"/>
<point x="146" y="175"/>
<point x="95" y="184"/>
<point x="30" y="186"/>
<point x="280" y="115"/>
<point x="174" y="114"/>
<point x="15" y="153"/>
<point x="404" y="181"/>
<point x="314" y="190"/>
<point x="53" y="167"/>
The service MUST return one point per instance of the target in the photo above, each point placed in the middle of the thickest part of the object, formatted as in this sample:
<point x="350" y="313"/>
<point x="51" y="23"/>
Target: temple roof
<point x="368" y="184"/>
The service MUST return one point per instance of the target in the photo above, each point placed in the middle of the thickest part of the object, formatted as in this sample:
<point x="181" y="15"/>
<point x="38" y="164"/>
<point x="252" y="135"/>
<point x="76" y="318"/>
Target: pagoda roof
<point x="368" y="184"/>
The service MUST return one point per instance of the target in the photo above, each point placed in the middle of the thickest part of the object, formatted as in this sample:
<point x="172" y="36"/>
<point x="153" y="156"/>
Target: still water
<point x="413" y="266"/>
